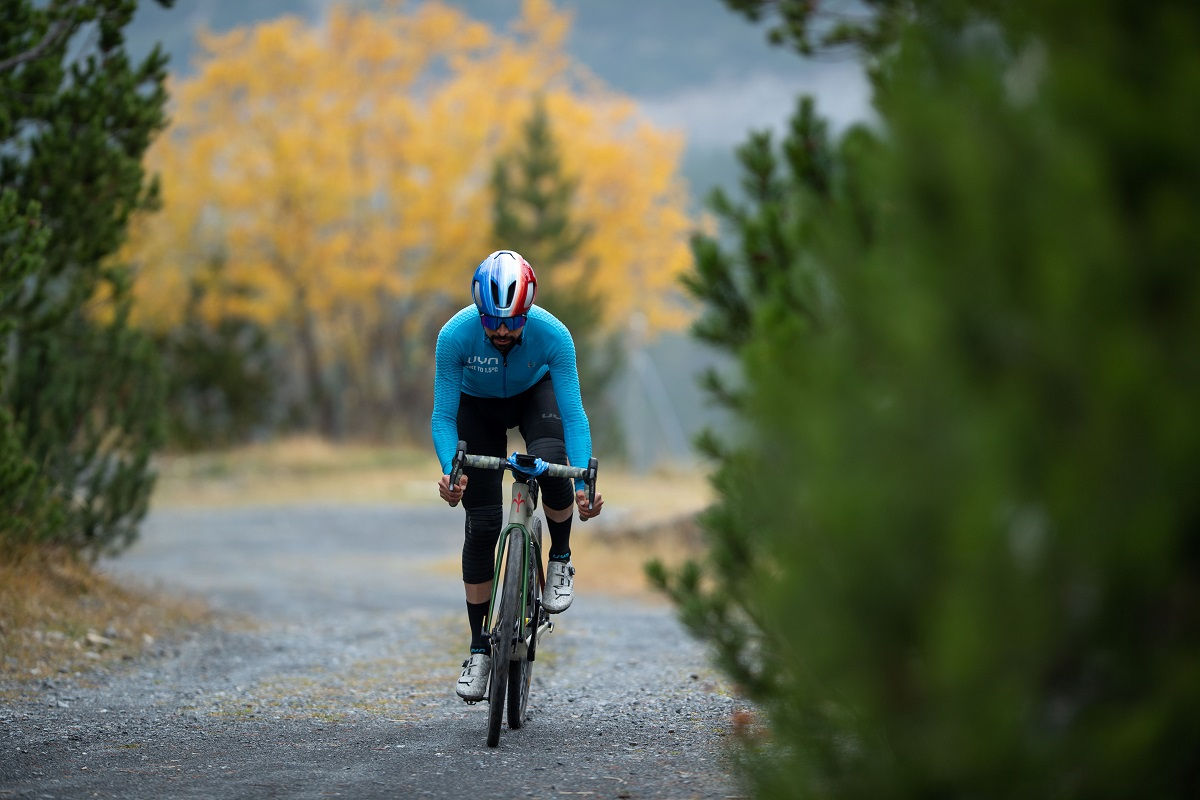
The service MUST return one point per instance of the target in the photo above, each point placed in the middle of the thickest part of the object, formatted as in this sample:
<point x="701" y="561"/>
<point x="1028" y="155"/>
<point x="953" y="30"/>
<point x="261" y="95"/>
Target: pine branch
<point x="57" y="32"/>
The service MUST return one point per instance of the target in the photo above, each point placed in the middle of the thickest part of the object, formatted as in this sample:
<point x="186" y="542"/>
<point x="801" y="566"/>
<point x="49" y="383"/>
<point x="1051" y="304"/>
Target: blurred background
<point x="695" y="67"/>
<point x="683" y="82"/>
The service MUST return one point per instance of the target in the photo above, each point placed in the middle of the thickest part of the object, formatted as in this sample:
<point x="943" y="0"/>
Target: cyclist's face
<point x="502" y="337"/>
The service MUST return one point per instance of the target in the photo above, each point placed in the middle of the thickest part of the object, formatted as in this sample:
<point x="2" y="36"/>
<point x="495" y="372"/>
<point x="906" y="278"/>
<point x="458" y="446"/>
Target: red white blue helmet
<point x="504" y="286"/>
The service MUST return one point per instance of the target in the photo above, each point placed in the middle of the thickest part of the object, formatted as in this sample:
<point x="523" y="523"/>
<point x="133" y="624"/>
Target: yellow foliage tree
<point x="331" y="184"/>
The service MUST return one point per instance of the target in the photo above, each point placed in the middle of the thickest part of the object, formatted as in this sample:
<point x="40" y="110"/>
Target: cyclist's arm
<point x="447" y="387"/>
<point x="564" y="374"/>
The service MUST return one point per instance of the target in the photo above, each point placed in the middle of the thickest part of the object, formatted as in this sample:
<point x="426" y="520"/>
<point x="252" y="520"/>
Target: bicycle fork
<point x="521" y="645"/>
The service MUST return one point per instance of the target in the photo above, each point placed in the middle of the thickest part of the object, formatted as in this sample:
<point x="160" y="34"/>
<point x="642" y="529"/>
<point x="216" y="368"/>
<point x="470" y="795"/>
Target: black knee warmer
<point x="556" y="492"/>
<point x="479" y="547"/>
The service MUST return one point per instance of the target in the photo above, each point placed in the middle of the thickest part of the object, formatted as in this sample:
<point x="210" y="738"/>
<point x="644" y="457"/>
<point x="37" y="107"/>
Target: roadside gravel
<point x="332" y="672"/>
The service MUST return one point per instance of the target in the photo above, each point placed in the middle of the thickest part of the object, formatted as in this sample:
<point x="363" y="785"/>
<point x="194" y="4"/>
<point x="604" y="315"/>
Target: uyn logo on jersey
<point x="484" y="364"/>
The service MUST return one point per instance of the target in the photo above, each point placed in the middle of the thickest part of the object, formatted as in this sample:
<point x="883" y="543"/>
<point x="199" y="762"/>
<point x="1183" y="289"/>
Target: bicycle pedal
<point x="468" y="702"/>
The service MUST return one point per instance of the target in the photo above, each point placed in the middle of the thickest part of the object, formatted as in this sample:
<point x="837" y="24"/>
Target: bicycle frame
<point x="520" y="515"/>
<point x="525" y="470"/>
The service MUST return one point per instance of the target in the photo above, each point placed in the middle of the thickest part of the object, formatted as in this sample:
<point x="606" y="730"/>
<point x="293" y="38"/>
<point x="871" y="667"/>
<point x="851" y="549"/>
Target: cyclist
<point x="501" y="363"/>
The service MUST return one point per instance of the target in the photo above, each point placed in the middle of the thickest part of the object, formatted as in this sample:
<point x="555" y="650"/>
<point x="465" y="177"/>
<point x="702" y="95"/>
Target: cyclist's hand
<point x="452" y="494"/>
<point x="582" y="503"/>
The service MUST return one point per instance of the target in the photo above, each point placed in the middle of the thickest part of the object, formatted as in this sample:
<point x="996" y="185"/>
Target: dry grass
<point x="296" y="470"/>
<point x="58" y="615"/>
<point x="311" y="470"/>
<point x="614" y="563"/>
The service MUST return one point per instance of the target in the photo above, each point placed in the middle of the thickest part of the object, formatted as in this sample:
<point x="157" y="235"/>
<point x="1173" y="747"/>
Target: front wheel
<point x="504" y="628"/>
<point x="521" y="673"/>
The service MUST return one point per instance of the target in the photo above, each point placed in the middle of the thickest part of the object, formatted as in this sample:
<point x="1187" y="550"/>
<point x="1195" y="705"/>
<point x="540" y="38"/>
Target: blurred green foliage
<point x="30" y="505"/>
<point x="80" y="389"/>
<point x="957" y="550"/>
<point x="222" y="379"/>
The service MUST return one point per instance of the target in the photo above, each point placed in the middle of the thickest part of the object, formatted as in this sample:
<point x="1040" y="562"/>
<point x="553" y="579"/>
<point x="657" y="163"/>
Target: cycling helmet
<point x="503" y="288"/>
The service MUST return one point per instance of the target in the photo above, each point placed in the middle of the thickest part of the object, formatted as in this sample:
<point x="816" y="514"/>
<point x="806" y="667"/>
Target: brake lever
<point x="593" y="466"/>
<point x="456" y="466"/>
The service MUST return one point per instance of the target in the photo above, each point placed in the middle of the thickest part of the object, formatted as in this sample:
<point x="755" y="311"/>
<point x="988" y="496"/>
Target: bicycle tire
<point x="503" y="631"/>
<point x="520" y="677"/>
<point x="538" y="580"/>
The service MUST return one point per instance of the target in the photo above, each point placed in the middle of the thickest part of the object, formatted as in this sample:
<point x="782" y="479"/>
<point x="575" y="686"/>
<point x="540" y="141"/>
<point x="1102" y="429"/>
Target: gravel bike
<point x="516" y="619"/>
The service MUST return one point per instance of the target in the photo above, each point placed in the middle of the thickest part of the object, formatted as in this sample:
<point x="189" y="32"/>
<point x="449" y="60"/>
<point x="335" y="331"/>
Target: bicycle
<point x="517" y="624"/>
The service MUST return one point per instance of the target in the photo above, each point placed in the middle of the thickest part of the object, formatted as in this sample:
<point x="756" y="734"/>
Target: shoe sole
<point x="470" y="698"/>
<point x="550" y="610"/>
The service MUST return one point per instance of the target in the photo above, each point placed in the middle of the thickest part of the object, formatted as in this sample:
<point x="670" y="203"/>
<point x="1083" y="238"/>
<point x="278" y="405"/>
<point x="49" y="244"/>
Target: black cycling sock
<point x="560" y="539"/>
<point x="475" y="614"/>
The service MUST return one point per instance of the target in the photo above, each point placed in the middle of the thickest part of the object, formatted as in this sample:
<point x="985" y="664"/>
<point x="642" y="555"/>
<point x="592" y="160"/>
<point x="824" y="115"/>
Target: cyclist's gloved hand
<point x="582" y="502"/>
<point x="452" y="494"/>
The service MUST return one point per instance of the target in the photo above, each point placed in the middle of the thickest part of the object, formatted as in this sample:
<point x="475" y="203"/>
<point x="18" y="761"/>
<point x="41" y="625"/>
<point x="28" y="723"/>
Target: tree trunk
<point x="318" y="392"/>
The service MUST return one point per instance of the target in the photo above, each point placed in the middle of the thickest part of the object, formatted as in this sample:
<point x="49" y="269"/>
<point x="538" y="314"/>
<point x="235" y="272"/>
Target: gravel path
<point x="332" y="675"/>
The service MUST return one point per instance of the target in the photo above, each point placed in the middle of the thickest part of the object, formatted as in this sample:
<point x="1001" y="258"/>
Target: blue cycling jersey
<point x="466" y="361"/>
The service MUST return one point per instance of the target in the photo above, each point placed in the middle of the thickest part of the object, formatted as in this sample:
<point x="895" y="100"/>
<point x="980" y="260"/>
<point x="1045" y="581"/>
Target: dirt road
<point x="332" y="673"/>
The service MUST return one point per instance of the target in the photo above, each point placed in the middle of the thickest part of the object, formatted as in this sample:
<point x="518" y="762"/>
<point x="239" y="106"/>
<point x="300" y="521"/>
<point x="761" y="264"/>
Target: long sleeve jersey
<point x="466" y="361"/>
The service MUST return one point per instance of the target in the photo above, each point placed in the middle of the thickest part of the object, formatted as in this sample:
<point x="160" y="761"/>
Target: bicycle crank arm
<point x="521" y="648"/>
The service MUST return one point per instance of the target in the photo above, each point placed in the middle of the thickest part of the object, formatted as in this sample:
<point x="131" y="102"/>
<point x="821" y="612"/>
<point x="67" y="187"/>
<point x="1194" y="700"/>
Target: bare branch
<point x="56" y="32"/>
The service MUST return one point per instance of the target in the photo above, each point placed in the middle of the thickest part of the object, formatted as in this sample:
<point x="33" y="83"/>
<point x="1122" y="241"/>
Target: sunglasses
<point x="512" y="323"/>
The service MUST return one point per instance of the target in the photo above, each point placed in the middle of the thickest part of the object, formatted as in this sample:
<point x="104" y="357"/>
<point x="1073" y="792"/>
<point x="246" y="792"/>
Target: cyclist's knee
<point x="548" y="448"/>
<point x="556" y="492"/>
<point x="479" y="544"/>
<point x="558" y="514"/>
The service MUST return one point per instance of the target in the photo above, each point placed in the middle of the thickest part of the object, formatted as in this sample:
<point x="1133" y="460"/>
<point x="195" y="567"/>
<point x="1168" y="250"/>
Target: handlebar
<point x="524" y="465"/>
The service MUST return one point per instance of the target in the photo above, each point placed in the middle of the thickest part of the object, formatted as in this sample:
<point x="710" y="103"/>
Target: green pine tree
<point x="83" y="391"/>
<point x="31" y="508"/>
<point x="784" y="195"/>
<point x="955" y="552"/>
<point x="532" y="200"/>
